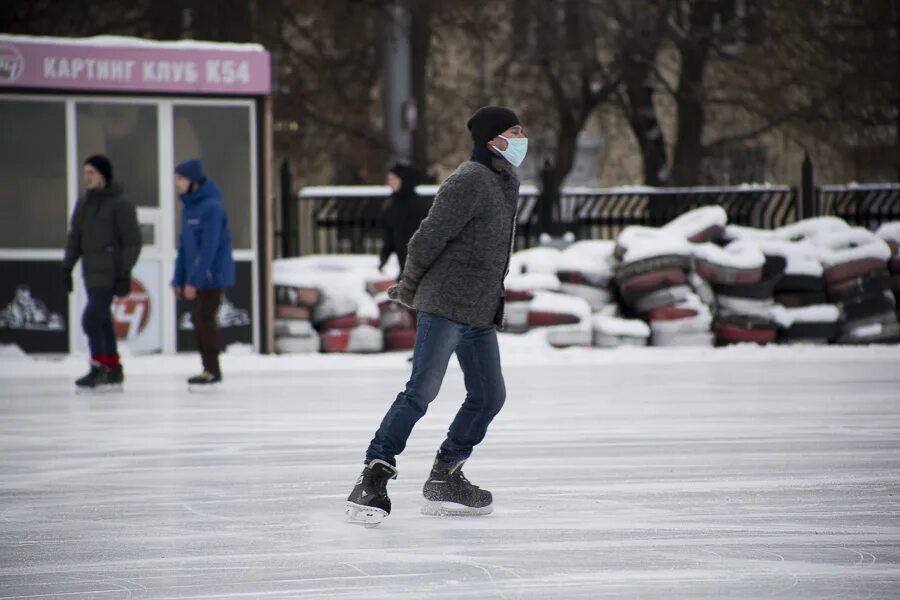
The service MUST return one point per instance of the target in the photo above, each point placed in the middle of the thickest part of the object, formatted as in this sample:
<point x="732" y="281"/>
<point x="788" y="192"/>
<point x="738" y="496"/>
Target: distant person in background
<point x="105" y="235"/>
<point x="204" y="266"/>
<point x="402" y="214"/>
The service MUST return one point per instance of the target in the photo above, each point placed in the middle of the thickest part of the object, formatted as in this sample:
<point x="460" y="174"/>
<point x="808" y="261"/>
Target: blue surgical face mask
<point x="516" y="149"/>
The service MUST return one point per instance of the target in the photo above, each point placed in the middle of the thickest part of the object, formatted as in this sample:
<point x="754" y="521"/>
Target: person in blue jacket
<point x="204" y="266"/>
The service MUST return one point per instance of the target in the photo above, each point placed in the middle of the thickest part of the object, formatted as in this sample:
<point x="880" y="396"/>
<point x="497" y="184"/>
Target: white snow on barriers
<point x="814" y="281"/>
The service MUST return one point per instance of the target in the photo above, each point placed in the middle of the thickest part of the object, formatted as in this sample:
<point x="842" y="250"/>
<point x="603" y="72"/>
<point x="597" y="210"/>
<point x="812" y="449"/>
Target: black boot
<point x="205" y="378"/>
<point x="95" y="377"/>
<point x="115" y="375"/>
<point x="368" y="503"/>
<point x="448" y="492"/>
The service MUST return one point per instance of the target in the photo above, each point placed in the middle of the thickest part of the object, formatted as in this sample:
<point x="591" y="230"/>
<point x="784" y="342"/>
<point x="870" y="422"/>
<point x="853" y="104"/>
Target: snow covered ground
<point x="742" y="472"/>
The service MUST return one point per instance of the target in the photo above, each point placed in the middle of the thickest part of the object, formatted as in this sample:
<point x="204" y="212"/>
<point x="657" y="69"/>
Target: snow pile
<point x="700" y="225"/>
<point x="638" y="243"/>
<point x="857" y="278"/>
<point x="890" y="233"/>
<point x="612" y="332"/>
<point x="521" y="289"/>
<point x="811" y="229"/>
<point x="585" y="269"/>
<point x="561" y="293"/>
<point x="325" y="303"/>
<point x="814" y="281"/>
<point x="653" y="274"/>
<point x="696" y="281"/>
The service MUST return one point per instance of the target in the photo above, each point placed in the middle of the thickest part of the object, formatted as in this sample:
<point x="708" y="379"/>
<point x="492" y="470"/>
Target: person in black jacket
<point x="105" y="235"/>
<point x="402" y="214"/>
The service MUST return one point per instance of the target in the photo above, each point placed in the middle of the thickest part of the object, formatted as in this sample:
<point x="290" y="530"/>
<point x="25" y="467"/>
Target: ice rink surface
<point x="646" y="473"/>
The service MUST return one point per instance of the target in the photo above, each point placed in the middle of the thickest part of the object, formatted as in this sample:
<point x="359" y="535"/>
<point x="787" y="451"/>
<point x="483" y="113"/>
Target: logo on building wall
<point x="29" y="313"/>
<point x="12" y="64"/>
<point x="228" y="316"/>
<point x="131" y="313"/>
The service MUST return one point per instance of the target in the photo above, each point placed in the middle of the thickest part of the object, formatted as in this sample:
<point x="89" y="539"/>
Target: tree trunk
<point x="639" y="51"/>
<point x="642" y="117"/>
<point x="420" y="41"/>
<point x="646" y="128"/>
<point x="563" y="160"/>
<point x="688" y="154"/>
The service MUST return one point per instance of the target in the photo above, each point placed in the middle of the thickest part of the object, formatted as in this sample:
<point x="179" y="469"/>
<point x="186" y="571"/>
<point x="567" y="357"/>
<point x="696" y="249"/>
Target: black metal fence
<point x="347" y="219"/>
<point x="603" y="213"/>
<point x="866" y="205"/>
<point x="343" y="220"/>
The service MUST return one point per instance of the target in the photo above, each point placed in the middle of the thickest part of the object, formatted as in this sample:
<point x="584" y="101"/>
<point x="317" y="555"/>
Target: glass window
<point x="33" y="207"/>
<point x="148" y="233"/>
<point x="127" y="135"/>
<point x="220" y="137"/>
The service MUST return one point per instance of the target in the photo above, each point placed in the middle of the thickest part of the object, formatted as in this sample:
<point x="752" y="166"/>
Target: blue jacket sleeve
<point x="211" y="223"/>
<point x="178" y="276"/>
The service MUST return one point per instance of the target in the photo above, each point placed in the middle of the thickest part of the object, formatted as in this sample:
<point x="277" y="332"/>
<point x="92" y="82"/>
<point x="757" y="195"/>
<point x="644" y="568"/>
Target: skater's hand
<point x="67" y="278"/>
<point x="402" y="294"/>
<point x="190" y="292"/>
<point x="176" y="289"/>
<point x="122" y="287"/>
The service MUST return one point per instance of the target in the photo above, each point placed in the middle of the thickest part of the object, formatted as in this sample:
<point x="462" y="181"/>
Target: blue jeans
<point x="479" y="356"/>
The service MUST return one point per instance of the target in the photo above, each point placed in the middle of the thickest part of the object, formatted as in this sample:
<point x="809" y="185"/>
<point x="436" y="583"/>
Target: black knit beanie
<point x="407" y="173"/>
<point x="490" y="121"/>
<point x="103" y="166"/>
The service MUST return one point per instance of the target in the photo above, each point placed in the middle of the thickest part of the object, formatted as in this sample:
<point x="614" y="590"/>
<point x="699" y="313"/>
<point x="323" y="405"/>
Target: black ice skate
<point x="448" y="493"/>
<point x="101" y="378"/>
<point x="368" y="503"/>
<point x="204" y="380"/>
<point x="115" y="376"/>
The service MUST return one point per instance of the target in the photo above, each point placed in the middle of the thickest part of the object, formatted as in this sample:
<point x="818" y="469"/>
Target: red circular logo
<point x="131" y="313"/>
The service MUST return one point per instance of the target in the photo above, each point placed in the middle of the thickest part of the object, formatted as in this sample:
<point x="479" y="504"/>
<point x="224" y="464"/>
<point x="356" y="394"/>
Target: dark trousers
<point x="203" y="315"/>
<point x="96" y="321"/>
<point x="479" y="356"/>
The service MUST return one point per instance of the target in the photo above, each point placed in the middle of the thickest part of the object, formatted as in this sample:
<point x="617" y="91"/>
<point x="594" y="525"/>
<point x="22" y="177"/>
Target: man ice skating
<point x="104" y="233"/>
<point x="204" y="265"/>
<point x="454" y="278"/>
<point x="403" y="213"/>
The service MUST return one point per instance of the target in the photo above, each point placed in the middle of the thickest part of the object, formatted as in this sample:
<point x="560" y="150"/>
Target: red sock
<point x="110" y="361"/>
<point x="97" y="359"/>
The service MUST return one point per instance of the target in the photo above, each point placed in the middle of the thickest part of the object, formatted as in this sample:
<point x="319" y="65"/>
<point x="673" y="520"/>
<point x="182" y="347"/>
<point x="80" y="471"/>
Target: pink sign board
<point x="133" y="68"/>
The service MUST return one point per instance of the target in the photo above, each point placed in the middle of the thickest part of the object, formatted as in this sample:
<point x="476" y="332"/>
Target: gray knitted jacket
<point x="459" y="256"/>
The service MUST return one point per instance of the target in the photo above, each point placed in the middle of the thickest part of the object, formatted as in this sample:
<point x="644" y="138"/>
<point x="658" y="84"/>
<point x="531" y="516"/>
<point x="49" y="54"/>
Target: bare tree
<point x="817" y="67"/>
<point x="421" y="12"/>
<point x="327" y="73"/>
<point x="836" y="74"/>
<point x="559" y="55"/>
<point x="643" y="29"/>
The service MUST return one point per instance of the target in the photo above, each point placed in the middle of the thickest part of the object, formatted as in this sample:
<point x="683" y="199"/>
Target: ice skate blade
<point x="109" y="388"/>
<point x="434" y="508"/>
<point x="366" y="516"/>
<point x="203" y="388"/>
